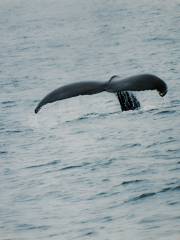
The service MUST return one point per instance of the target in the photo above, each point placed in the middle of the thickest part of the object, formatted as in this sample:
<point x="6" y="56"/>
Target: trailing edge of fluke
<point x="115" y="85"/>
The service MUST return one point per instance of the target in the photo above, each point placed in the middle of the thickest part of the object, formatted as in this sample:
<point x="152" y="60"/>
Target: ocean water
<point x="81" y="168"/>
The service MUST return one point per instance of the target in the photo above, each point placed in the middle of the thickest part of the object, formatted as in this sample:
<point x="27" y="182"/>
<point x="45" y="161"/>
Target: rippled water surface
<point x="81" y="168"/>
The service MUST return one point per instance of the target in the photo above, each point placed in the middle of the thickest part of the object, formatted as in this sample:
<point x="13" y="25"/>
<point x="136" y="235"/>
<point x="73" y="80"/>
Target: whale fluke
<point x="137" y="83"/>
<point x="115" y="85"/>
<point x="71" y="90"/>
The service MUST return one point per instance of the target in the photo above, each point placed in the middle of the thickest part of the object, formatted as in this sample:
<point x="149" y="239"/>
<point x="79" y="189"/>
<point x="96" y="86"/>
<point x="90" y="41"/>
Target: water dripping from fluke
<point x="127" y="101"/>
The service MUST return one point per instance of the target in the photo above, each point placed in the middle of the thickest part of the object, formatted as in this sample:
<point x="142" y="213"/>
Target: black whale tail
<point x="115" y="85"/>
<point x="71" y="90"/>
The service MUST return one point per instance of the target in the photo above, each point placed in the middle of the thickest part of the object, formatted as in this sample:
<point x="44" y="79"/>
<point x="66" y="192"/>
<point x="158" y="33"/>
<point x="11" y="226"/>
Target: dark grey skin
<point x="114" y="85"/>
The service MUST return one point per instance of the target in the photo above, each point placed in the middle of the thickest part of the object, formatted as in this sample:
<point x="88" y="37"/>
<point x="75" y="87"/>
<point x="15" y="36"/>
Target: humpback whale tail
<point x="72" y="90"/>
<point x="115" y="85"/>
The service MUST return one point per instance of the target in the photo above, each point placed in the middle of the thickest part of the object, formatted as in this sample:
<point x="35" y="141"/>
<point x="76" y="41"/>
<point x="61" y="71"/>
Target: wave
<point x="92" y="116"/>
<point x="151" y="194"/>
<point x="165" y="112"/>
<point x="131" y="182"/>
<point x="44" y="165"/>
<point x="3" y="152"/>
<point x="74" y="166"/>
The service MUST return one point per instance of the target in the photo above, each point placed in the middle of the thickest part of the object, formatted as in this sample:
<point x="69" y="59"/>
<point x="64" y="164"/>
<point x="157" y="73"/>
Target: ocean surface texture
<point x="81" y="169"/>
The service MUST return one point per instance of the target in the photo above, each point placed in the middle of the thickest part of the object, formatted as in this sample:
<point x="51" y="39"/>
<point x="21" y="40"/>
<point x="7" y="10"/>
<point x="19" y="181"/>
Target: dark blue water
<point x="82" y="169"/>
